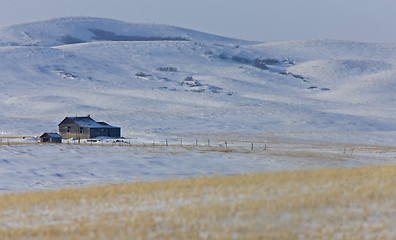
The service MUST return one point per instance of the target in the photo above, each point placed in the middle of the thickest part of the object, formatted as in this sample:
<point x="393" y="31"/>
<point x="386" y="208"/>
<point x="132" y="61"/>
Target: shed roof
<point x="52" y="135"/>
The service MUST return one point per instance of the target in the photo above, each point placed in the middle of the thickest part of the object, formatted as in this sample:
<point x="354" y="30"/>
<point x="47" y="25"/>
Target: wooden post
<point x="226" y="144"/>
<point x="252" y="147"/>
<point x="166" y="142"/>
<point x="208" y="143"/>
<point x="181" y="142"/>
<point x="196" y="142"/>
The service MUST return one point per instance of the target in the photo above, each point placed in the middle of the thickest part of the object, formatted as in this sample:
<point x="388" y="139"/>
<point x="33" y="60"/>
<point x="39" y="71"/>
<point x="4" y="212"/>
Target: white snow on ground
<point x="40" y="167"/>
<point x="159" y="82"/>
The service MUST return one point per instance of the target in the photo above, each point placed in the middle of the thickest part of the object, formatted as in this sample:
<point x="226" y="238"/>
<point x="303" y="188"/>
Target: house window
<point x="81" y="129"/>
<point x="68" y="129"/>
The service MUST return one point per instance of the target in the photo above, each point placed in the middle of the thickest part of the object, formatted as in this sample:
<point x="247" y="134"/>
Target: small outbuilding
<point x="51" y="138"/>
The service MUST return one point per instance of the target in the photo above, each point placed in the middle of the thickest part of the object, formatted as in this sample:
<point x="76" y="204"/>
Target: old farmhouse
<point x="86" y="127"/>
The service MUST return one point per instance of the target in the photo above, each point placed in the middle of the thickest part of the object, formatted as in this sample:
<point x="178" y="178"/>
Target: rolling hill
<point x="164" y="80"/>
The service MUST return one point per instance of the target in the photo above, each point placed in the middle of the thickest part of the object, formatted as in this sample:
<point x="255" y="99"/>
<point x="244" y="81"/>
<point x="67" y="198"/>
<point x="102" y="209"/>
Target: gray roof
<point x="89" y="122"/>
<point x="52" y="135"/>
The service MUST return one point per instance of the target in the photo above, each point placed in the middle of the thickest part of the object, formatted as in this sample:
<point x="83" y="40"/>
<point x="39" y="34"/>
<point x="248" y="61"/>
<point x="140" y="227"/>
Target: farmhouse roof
<point x="88" y="122"/>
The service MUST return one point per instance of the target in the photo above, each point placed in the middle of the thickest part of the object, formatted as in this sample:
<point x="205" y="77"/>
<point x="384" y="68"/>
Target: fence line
<point x="177" y="142"/>
<point x="221" y="145"/>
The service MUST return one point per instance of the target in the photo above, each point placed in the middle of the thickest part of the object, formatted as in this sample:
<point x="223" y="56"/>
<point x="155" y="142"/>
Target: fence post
<point x="208" y="143"/>
<point x="226" y="144"/>
<point x="181" y="142"/>
<point x="252" y="147"/>
<point x="196" y="142"/>
<point x="166" y="142"/>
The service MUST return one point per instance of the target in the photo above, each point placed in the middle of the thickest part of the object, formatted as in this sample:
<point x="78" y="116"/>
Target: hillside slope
<point x="72" y="30"/>
<point x="163" y="80"/>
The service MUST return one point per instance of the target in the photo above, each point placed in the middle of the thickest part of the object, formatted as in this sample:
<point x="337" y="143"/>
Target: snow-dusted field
<point x="27" y="166"/>
<point x="161" y="82"/>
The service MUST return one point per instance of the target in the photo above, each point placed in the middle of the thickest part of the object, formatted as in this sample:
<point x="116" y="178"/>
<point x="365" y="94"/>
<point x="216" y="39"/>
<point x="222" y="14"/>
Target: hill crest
<point x="71" y="30"/>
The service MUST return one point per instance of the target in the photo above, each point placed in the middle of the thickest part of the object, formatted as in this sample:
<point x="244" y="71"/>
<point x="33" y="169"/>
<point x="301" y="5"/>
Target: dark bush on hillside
<point x="258" y="63"/>
<point x="223" y="56"/>
<point x="142" y="74"/>
<point x="191" y="82"/>
<point x="270" y="61"/>
<point x="167" y="69"/>
<point x="241" y="59"/>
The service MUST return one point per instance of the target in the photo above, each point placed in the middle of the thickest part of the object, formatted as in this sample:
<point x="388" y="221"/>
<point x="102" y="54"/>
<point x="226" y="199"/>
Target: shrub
<point x="258" y="63"/>
<point x="142" y="74"/>
<point x="223" y="56"/>
<point x="240" y="59"/>
<point x="167" y="69"/>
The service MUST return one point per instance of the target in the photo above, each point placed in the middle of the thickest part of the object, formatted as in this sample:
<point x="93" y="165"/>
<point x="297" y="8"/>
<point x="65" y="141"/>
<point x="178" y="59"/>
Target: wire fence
<point x="166" y="142"/>
<point x="200" y="144"/>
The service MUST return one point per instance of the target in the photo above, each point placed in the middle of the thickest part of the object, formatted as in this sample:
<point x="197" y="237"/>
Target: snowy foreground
<point x="39" y="167"/>
<point x="157" y="82"/>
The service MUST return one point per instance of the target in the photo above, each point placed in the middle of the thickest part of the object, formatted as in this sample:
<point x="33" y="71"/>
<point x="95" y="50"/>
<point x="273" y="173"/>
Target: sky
<point x="259" y="20"/>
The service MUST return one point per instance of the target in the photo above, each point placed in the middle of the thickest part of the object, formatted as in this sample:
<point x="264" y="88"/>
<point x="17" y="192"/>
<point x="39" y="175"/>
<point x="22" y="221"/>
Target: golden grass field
<point x="345" y="203"/>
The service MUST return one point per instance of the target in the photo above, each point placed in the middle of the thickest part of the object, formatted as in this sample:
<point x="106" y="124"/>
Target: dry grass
<point x="355" y="203"/>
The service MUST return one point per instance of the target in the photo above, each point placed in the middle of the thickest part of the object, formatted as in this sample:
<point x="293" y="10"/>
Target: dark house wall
<point x="72" y="130"/>
<point x="95" y="132"/>
<point x="115" y="132"/>
<point x="110" y="132"/>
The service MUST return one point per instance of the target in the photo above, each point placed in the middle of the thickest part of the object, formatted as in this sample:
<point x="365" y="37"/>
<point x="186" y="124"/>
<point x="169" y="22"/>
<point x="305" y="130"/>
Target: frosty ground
<point x="26" y="165"/>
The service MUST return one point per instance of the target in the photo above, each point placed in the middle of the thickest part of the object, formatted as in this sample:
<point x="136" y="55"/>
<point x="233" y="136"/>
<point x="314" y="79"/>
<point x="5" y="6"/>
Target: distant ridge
<point x="72" y="30"/>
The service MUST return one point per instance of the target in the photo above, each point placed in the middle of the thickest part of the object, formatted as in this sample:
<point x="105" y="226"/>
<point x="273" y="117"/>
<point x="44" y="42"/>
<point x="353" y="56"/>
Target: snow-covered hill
<point x="60" y="31"/>
<point x="164" y="80"/>
<point x="305" y="99"/>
